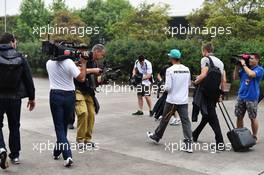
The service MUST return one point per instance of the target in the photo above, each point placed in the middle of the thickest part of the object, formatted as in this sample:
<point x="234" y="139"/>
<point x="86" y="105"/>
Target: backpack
<point x="210" y="85"/>
<point x="11" y="70"/>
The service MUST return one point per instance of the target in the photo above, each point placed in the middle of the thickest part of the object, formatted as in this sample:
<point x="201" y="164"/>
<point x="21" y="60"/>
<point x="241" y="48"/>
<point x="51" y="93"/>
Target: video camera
<point x="109" y="74"/>
<point x="235" y="59"/>
<point x="136" y="79"/>
<point x="64" y="50"/>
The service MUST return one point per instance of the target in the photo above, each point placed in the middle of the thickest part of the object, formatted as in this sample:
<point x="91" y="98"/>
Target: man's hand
<point x="97" y="70"/>
<point x="243" y="62"/>
<point x="31" y="105"/>
<point x="82" y="60"/>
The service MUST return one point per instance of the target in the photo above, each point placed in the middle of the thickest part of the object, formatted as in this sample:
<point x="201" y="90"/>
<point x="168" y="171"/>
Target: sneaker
<point x="158" y="119"/>
<point x="3" y="159"/>
<point x="152" y="138"/>
<point x="70" y="126"/>
<point x="138" y="113"/>
<point x="175" y="122"/>
<point x="151" y="113"/>
<point x="15" y="161"/>
<point x="80" y="145"/>
<point x="68" y="162"/>
<point x="187" y="146"/>
<point x="218" y="147"/>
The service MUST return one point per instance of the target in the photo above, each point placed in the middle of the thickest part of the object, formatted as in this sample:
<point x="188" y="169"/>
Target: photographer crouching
<point x="250" y="74"/>
<point x="85" y="98"/>
<point x="62" y="70"/>
<point x="143" y="71"/>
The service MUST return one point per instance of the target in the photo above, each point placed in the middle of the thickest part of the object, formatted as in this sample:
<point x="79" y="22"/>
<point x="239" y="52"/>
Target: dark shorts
<point x="250" y="106"/>
<point x="143" y="90"/>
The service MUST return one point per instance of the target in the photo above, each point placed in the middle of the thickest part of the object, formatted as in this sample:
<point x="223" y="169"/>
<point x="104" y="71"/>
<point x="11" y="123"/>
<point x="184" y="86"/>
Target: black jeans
<point x="62" y="106"/>
<point x="12" y="108"/>
<point x="213" y="121"/>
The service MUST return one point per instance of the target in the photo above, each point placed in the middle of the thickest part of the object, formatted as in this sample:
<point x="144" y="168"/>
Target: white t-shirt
<point x="217" y="62"/>
<point x="61" y="74"/>
<point x="178" y="80"/>
<point x="144" y="69"/>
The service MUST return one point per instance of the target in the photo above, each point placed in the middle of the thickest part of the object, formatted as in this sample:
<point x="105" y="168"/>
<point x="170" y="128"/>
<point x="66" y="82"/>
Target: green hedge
<point x="36" y="59"/>
<point x="124" y="53"/>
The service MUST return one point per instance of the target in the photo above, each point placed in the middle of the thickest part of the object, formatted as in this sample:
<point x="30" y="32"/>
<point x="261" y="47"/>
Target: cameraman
<point x="250" y="76"/>
<point x="16" y="83"/>
<point x="85" y="95"/>
<point x="62" y="100"/>
<point x="144" y="67"/>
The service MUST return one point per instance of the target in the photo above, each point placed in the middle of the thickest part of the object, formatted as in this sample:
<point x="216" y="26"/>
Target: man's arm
<point x="168" y="82"/>
<point x="250" y="72"/>
<point x="201" y="77"/>
<point x="93" y="71"/>
<point x="223" y="81"/>
<point x="81" y="77"/>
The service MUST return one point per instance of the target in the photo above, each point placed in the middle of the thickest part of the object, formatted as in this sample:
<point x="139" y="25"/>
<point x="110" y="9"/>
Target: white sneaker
<point x="175" y="121"/>
<point x="68" y="162"/>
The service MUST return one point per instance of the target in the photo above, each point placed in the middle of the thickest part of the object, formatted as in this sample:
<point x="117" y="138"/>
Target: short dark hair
<point x="6" y="38"/>
<point x="256" y="55"/>
<point x="141" y="58"/>
<point x="208" y="47"/>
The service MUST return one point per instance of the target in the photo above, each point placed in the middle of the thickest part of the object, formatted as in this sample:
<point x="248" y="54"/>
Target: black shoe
<point x="151" y="113"/>
<point x="138" y="113"/>
<point x="70" y="126"/>
<point x="152" y="137"/>
<point x="3" y="160"/>
<point x="68" y="162"/>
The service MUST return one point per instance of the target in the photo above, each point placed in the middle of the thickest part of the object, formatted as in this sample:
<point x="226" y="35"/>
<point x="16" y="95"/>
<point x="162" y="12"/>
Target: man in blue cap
<point x="178" y="80"/>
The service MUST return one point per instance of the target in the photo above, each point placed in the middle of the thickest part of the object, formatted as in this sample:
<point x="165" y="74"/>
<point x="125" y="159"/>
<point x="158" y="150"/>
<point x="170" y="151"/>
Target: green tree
<point x="245" y="17"/>
<point x="145" y="23"/>
<point x="33" y="14"/>
<point x="104" y="14"/>
<point x="58" y="5"/>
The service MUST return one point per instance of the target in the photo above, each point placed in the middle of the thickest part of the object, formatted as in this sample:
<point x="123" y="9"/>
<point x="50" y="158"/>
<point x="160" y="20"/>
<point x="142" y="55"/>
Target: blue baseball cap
<point x="175" y="53"/>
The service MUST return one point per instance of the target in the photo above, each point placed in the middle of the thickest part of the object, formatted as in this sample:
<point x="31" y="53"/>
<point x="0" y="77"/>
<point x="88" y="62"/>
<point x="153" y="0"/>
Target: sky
<point x="177" y="7"/>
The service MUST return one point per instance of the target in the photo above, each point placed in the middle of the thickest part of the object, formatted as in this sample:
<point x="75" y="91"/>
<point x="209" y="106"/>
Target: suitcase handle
<point x="229" y="118"/>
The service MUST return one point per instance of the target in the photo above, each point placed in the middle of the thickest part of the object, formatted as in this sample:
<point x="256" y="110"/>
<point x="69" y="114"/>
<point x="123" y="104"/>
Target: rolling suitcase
<point x="241" y="138"/>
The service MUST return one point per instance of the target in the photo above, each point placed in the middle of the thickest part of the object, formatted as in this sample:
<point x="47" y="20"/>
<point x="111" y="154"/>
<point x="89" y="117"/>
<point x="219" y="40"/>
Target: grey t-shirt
<point x="217" y="62"/>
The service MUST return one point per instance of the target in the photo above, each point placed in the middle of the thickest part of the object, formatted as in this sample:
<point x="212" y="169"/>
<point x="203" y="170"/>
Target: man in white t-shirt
<point x="62" y="100"/>
<point x="144" y="67"/>
<point x="178" y="80"/>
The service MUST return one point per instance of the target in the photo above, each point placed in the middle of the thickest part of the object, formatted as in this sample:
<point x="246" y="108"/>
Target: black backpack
<point x="210" y="86"/>
<point x="11" y="70"/>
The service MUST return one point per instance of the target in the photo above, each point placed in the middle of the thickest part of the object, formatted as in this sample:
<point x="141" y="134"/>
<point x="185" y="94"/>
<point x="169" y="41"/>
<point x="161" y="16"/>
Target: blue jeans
<point x="62" y="106"/>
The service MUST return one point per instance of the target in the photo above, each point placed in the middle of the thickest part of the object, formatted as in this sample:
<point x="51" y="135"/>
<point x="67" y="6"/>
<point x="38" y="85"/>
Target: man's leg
<point x="254" y="126"/>
<point x="82" y="116"/>
<point x="200" y="127"/>
<point x="252" y="109"/>
<point x="214" y="123"/>
<point x="2" y="111"/>
<point x="13" y="116"/>
<point x="240" y="110"/>
<point x="140" y="102"/>
<point x="168" y="111"/>
<point x="90" y="121"/>
<point x="186" y="124"/>
<point x="240" y="122"/>
<point x="58" y="113"/>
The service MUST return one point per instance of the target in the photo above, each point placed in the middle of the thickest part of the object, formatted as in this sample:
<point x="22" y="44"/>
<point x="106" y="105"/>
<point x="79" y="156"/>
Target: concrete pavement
<point x="122" y="143"/>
